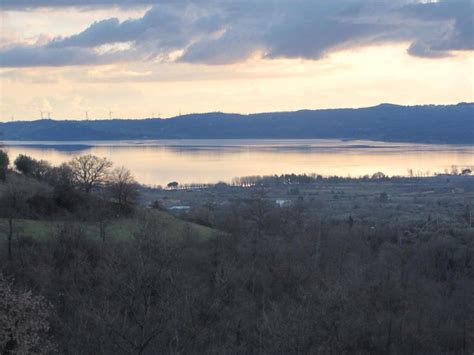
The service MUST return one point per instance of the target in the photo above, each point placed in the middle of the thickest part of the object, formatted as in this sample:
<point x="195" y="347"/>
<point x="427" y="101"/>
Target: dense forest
<point x="453" y="124"/>
<point x="373" y="265"/>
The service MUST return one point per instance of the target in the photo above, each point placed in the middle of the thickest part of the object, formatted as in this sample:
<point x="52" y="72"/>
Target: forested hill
<point x="453" y="124"/>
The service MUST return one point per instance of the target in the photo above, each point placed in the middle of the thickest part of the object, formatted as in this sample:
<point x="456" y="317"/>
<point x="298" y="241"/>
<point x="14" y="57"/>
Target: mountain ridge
<point x="450" y="124"/>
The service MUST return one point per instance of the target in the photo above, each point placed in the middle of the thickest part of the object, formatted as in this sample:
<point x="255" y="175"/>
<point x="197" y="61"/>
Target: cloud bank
<point x="222" y="32"/>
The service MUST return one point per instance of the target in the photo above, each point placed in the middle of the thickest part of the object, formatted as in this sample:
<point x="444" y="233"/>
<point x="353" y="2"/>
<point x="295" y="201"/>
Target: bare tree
<point x="90" y="171"/>
<point x="123" y="186"/>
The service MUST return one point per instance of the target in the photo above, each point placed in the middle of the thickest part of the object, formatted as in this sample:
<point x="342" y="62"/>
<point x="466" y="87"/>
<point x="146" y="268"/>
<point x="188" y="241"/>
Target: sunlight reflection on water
<point x="208" y="161"/>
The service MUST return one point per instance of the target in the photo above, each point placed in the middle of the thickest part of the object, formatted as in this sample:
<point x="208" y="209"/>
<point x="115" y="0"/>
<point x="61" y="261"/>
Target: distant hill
<point x="451" y="124"/>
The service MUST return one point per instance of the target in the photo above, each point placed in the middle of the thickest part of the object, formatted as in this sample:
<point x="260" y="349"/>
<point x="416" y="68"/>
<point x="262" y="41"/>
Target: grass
<point x="121" y="229"/>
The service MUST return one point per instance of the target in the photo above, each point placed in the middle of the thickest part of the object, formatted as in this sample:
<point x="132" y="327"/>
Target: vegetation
<point x="4" y="162"/>
<point x="24" y="322"/>
<point x="89" y="171"/>
<point x="372" y="265"/>
<point x="31" y="167"/>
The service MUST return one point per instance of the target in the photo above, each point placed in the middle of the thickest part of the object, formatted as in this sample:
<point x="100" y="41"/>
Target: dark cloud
<point x="219" y="32"/>
<point x="309" y="31"/>
<point x="452" y="27"/>
<point x="167" y="27"/>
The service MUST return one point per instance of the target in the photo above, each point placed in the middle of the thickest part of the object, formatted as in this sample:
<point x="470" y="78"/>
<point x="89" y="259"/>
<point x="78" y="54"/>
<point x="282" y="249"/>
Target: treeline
<point x="270" y="280"/>
<point x="295" y="179"/>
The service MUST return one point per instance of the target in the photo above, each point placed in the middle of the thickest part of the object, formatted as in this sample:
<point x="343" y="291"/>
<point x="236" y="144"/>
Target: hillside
<point x="452" y="124"/>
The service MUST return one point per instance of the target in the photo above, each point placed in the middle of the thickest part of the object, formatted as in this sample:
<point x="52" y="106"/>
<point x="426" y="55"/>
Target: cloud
<point x="30" y="56"/>
<point x="40" y="56"/>
<point x="32" y="4"/>
<point x="222" y="32"/>
<point x="164" y="27"/>
<point x="452" y="27"/>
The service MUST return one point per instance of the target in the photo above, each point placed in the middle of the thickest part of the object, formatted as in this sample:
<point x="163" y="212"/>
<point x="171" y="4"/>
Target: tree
<point x="24" y="164"/>
<point x="61" y="177"/>
<point x="62" y="180"/>
<point x="4" y="162"/>
<point x="378" y="176"/>
<point x="172" y="185"/>
<point x="31" y="167"/>
<point x="89" y="171"/>
<point x="24" y="322"/>
<point x="123" y="186"/>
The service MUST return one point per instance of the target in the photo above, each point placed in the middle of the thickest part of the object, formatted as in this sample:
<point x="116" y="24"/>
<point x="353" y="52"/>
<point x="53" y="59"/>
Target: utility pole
<point x="110" y="115"/>
<point x="42" y="115"/>
<point x="49" y="115"/>
<point x="87" y="115"/>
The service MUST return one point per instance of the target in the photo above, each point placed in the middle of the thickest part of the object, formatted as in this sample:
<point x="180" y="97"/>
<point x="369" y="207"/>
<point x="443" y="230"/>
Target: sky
<point x="71" y="59"/>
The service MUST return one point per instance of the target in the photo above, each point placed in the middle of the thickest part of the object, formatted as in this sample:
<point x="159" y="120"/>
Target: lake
<point x="210" y="161"/>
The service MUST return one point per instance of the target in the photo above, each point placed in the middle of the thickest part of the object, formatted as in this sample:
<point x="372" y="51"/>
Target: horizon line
<point x="228" y="113"/>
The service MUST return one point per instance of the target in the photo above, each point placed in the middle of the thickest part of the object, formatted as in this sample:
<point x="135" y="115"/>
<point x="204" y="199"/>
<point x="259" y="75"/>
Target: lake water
<point x="210" y="161"/>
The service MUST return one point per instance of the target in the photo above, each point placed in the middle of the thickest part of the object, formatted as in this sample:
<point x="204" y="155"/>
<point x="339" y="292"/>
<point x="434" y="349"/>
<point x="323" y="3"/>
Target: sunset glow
<point x="351" y="73"/>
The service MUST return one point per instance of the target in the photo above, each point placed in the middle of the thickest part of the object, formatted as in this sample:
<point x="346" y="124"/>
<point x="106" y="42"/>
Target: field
<point x="117" y="230"/>
<point x="411" y="204"/>
<point x="422" y="202"/>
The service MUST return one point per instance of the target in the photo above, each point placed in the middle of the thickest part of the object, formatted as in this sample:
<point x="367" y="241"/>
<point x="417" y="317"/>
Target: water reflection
<point x="207" y="161"/>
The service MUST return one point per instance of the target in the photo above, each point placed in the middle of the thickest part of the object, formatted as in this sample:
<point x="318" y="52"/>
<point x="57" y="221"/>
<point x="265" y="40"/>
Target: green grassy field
<point x="121" y="229"/>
